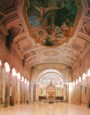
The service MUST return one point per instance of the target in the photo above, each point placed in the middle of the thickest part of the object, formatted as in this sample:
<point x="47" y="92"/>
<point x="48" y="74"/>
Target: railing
<point x="57" y="98"/>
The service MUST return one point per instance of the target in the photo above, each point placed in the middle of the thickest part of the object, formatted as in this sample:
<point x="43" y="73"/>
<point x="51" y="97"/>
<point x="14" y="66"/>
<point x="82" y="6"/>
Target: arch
<point x="50" y="75"/>
<point x="88" y="73"/>
<point x="7" y="66"/>
<point x="18" y="75"/>
<point x="50" y="70"/>
<point x="84" y="76"/>
<point x="13" y="72"/>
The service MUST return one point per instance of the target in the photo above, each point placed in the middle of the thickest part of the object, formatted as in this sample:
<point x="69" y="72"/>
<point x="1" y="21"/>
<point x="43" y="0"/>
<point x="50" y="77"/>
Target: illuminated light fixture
<point x="22" y="78"/>
<point x="25" y="81"/>
<point x="76" y="81"/>
<point x="88" y="73"/>
<point x="79" y="79"/>
<point x="0" y="62"/>
<point x="84" y="76"/>
<point x="7" y="67"/>
<point x="18" y="75"/>
<point x="13" y="72"/>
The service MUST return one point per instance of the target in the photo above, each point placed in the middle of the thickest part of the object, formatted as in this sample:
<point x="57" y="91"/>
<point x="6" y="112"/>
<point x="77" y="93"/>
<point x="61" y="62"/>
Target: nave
<point x="44" y="57"/>
<point x="45" y="109"/>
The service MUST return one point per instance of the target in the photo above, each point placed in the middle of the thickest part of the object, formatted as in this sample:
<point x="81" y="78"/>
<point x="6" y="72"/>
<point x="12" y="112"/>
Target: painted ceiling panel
<point x="52" y="22"/>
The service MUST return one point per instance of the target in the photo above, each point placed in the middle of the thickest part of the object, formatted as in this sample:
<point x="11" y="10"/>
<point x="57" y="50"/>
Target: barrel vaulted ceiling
<point x="15" y="21"/>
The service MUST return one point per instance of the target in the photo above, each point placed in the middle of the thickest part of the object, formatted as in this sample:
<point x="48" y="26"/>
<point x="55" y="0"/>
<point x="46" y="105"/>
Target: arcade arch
<point x="49" y="84"/>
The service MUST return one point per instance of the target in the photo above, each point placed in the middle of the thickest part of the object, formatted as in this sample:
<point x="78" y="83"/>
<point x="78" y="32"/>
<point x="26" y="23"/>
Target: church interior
<point x="45" y="57"/>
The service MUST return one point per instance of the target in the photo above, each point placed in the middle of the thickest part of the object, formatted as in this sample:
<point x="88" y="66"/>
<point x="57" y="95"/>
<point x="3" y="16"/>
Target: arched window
<point x="84" y="76"/>
<point x="88" y="73"/>
<point x="50" y="75"/>
<point x="7" y="66"/>
<point x="13" y="72"/>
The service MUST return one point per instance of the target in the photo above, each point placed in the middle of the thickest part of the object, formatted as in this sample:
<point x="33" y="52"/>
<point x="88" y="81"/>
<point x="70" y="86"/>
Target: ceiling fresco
<point x="52" y="21"/>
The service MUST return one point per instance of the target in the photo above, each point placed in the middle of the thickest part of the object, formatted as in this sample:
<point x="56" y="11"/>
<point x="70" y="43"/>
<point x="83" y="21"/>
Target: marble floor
<point x="45" y="109"/>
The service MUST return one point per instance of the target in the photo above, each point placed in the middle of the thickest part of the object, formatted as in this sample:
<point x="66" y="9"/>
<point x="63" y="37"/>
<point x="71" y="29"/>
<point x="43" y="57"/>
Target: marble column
<point x="37" y="93"/>
<point x="32" y="92"/>
<point x="25" y="92"/>
<point x="18" y="91"/>
<point x="22" y="92"/>
<point x="0" y="85"/>
<point x="3" y="86"/>
<point x="79" y="93"/>
<point x="76" y="94"/>
<point x="71" y="87"/>
<point x="67" y="92"/>
<point x="14" y="86"/>
<point x="88" y="91"/>
<point x="7" y="89"/>
<point x="73" y="95"/>
<point x="28" y="91"/>
<point x="84" y="92"/>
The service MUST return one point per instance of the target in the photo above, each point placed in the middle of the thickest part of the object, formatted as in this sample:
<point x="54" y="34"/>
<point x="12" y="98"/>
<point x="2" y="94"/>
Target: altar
<point x="50" y="93"/>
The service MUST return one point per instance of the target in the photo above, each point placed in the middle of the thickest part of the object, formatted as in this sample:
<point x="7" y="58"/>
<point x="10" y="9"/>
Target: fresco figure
<point x="55" y="18"/>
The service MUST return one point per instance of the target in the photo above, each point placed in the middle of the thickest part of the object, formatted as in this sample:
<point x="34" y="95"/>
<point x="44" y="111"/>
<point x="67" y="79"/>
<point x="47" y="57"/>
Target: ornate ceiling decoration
<point x="81" y="38"/>
<point x="49" y="66"/>
<point x="65" y="54"/>
<point x="52" y="22"/>
<point x="14" y="22"/>
<point x="7" y="6"/>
